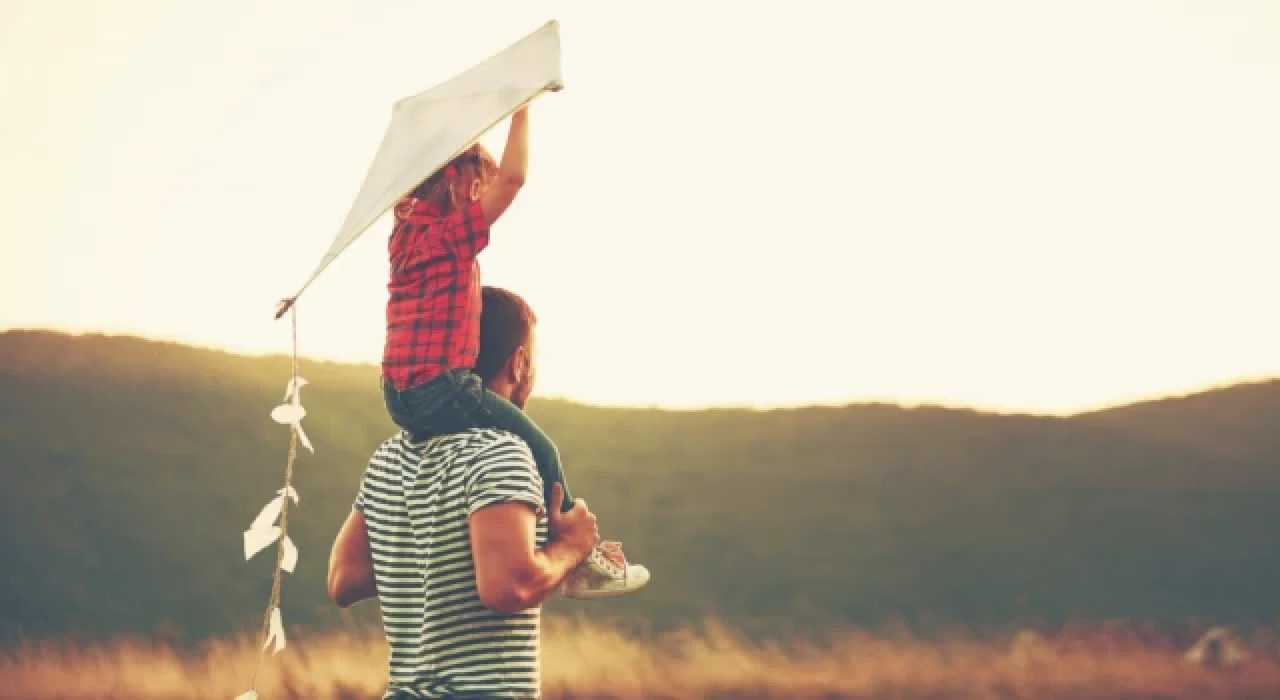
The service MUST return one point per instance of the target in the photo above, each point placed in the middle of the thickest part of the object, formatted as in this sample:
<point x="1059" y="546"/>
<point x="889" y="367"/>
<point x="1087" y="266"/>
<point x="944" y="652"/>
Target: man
<point x="452" y="537"/>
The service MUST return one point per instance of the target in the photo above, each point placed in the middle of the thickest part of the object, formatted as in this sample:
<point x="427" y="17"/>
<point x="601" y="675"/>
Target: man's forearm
<point x="551" y="565"/>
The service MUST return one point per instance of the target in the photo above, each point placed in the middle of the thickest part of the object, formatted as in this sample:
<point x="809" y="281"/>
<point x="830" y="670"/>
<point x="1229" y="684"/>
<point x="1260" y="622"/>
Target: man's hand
<point x="574" y="529"/>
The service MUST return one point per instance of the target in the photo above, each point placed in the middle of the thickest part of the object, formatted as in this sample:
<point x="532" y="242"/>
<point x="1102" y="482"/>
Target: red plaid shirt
<point x="433" y="314"/>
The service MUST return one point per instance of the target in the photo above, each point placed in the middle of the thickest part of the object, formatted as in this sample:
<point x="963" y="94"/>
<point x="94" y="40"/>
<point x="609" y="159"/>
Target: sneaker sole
<point x="609" y="592"/>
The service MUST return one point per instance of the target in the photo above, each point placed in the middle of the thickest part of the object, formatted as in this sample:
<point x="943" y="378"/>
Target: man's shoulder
<point x="473" y="444"/>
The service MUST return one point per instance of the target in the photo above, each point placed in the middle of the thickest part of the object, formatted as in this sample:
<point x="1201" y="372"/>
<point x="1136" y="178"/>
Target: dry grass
<point x="592" y="661"/>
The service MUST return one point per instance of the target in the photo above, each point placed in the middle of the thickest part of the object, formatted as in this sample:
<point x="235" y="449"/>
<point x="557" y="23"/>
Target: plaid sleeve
<point x="466" y="231"/>
<point x="503" y="471"/>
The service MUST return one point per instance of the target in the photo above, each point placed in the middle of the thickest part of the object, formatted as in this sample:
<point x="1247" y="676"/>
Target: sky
<point x="1020" y="206"/>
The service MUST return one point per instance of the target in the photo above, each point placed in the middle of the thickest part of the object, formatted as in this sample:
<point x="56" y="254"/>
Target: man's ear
<point x="519" y="364"/>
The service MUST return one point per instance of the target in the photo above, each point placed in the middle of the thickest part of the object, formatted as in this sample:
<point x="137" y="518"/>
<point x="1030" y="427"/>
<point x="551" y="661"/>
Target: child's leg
<point x="457" y="401"/>
<point x="490" y="410"/>
<point x="425" y="410"/>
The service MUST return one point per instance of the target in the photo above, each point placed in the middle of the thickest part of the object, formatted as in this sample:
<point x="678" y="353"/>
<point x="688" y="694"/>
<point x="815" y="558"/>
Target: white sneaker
<point x="601" y="577"/>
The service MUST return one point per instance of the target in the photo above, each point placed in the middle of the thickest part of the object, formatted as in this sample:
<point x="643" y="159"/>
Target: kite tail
<point x="271" y="621"/>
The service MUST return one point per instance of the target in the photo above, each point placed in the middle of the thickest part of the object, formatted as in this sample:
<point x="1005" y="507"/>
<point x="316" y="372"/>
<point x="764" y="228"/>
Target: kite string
<point x="274" y="601"/>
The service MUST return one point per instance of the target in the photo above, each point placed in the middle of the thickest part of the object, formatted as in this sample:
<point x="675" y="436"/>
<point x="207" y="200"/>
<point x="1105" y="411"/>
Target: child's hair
<point x="473" y="162"/>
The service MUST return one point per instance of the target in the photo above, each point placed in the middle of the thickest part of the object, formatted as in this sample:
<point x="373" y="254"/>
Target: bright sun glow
<point x="1011" y="205"/>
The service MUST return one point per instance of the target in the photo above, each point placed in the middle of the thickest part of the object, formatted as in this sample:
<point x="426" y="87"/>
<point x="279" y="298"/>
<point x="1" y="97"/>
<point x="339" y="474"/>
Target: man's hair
<point x="505" y="323"/>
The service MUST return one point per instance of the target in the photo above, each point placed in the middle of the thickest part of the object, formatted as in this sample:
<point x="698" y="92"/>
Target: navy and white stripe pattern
<point x="416" y="499"/>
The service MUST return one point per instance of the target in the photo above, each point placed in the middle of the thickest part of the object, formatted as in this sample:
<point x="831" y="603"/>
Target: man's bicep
<point x="352" y="542"/>
<point x="503" y="541"/>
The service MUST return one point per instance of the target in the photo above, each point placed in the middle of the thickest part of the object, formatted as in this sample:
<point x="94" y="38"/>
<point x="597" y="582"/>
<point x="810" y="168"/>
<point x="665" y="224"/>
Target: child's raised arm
<point x="495" y="200"/>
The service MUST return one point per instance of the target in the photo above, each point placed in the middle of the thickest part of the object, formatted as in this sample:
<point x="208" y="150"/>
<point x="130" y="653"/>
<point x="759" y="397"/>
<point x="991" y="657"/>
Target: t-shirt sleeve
<point x="376" y="478"/>
<point x="361" y="500"/>
<point x="503" y="471"/>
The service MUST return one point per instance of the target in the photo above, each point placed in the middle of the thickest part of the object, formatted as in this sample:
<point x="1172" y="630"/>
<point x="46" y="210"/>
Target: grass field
<point x="590" y="661"/>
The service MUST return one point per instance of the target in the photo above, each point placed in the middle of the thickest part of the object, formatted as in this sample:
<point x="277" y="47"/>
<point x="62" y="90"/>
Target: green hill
<point x="131" y="468"/>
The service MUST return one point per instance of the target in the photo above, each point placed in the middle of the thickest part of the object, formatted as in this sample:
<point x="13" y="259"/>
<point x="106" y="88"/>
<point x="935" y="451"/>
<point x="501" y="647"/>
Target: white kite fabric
<point x="426" y="132"/>
<point x="431" y="128"/>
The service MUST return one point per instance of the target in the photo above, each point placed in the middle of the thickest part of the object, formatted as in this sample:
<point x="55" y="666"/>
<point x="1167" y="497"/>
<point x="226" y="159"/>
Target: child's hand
<point x="521" y="114"/>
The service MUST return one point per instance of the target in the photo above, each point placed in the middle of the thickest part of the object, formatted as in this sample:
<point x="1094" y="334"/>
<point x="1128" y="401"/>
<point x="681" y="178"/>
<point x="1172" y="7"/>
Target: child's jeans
<point x="457" y="400"/>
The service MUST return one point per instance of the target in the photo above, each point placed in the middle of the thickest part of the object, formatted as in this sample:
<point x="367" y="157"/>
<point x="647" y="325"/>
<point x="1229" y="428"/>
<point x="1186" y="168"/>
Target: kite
<point x="431" y="128"/>
<point x="426" y="131"/>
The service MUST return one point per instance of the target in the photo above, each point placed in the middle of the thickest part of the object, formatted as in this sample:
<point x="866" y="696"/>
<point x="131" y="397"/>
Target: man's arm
<point x="351" y="577"/>
<point x="512" y="574"/>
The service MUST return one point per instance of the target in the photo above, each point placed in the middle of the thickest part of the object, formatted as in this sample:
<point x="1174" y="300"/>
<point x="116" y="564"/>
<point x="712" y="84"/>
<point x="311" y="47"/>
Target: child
<point x="433" y="327"/>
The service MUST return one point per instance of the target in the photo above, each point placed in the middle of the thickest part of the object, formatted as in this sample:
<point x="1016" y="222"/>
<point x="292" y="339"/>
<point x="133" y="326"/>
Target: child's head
<point x="461" y="181"/>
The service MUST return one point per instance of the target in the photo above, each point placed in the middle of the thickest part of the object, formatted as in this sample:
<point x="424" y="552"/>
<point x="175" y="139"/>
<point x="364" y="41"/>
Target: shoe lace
<point x="607" y="563"/>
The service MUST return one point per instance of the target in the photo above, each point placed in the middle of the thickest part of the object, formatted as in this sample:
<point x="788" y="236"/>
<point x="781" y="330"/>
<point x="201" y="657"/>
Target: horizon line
<point x="659" y="406"/>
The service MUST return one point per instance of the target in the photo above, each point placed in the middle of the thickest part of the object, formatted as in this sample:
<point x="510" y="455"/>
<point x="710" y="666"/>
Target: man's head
<point x="508" y="358"/>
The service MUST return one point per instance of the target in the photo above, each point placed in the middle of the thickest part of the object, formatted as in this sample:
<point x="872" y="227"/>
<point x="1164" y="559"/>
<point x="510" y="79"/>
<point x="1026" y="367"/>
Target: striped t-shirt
<point x="416" y="499"/>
